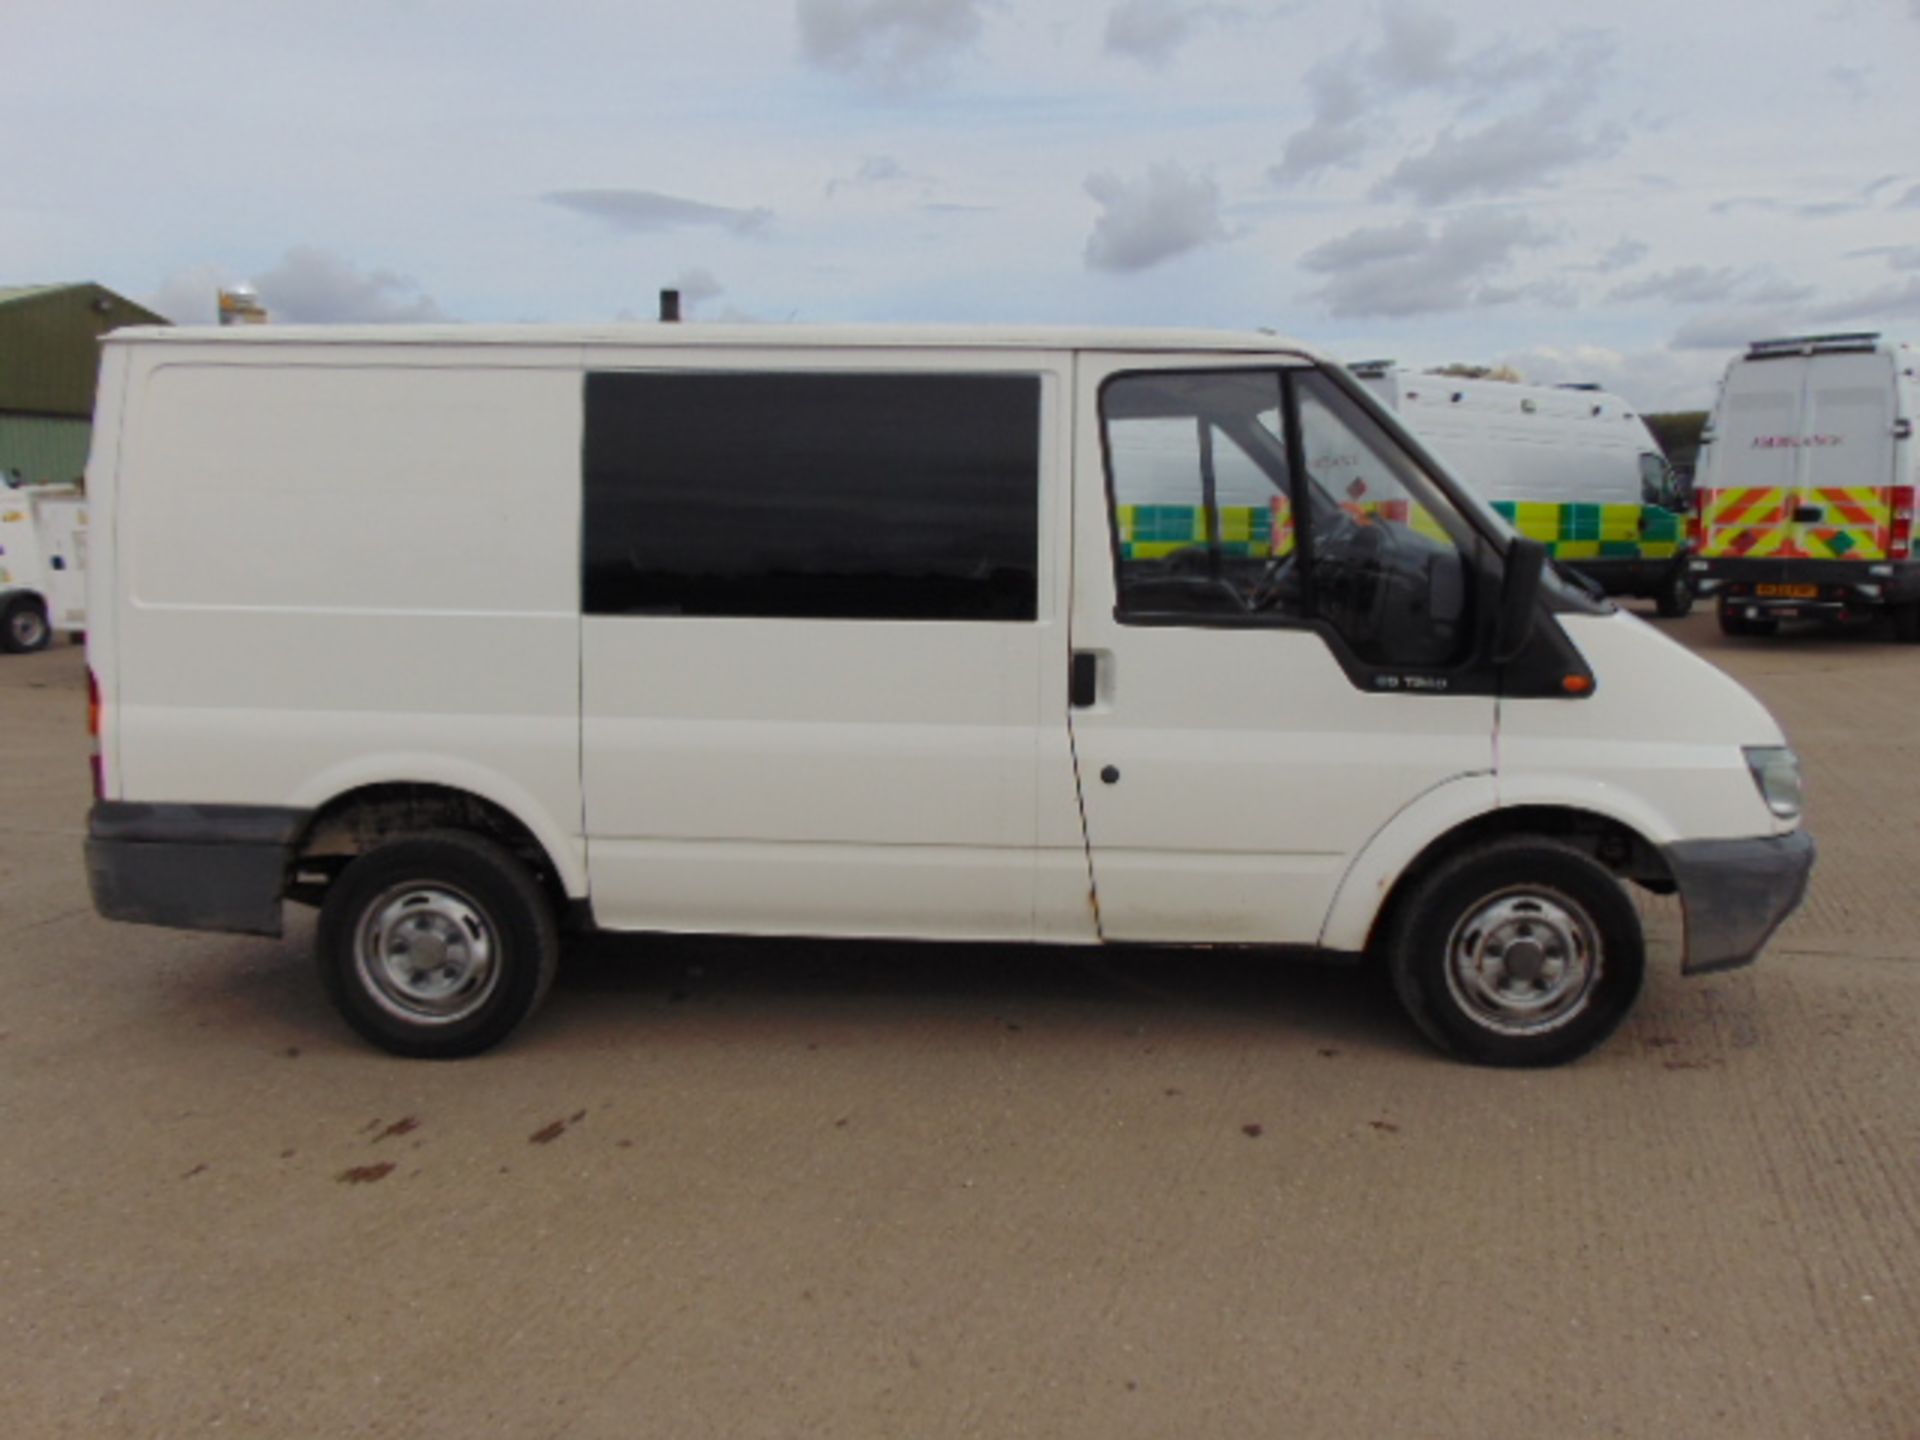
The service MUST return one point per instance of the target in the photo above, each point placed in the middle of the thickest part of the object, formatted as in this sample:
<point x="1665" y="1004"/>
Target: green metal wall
<point x="49" y="345"/>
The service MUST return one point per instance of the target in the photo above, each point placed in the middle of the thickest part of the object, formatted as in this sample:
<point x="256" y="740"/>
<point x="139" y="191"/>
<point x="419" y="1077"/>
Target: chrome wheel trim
<point x="1524" y="961"/>
<point x="427" y="954"/>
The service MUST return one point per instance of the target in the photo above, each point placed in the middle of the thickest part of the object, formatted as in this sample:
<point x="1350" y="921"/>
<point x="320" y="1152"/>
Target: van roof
<point x="695" y="335"/>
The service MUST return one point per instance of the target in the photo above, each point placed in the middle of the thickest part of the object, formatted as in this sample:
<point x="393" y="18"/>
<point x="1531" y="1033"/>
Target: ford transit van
<point x="474" y="637"/>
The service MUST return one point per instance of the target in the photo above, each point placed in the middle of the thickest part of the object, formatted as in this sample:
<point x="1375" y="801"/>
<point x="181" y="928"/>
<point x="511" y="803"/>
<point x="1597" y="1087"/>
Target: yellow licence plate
<point x="1787" y="592"/>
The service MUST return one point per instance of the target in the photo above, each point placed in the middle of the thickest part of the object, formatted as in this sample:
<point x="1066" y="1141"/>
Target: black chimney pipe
<point x="669" y="307"/>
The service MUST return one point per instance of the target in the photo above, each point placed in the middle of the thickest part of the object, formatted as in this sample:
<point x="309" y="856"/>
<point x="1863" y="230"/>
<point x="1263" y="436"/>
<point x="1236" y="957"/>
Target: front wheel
<point x="1675" y="596"/>
<point x="1523" y="951"/>
<point x="23" y="625"/>
<point x="436" y="945"/>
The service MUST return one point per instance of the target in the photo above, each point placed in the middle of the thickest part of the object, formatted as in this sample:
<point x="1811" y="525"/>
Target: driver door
<point x="1274" y="635"/>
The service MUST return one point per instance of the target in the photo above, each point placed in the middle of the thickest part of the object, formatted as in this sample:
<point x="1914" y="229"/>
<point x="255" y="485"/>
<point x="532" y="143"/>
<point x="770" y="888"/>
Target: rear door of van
<point x="1747" y="511"/>
<point x="824" y="644"/>
<point x="1843" y="505"/>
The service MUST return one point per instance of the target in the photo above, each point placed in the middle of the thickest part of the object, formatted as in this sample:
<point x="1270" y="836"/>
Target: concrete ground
<point x="752" y="1189"/>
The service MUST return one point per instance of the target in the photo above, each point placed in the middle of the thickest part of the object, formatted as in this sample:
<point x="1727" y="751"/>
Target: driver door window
<point x="1211" y="524"/>
<point x="1202" y="507"/>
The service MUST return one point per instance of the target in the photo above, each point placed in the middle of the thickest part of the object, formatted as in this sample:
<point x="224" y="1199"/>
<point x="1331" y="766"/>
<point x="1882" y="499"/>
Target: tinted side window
<point x="871" y="497"/>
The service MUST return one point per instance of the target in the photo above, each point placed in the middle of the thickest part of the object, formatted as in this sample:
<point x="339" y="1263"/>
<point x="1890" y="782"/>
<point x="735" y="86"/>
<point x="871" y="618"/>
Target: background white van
<point x="472" y="635"/>
<point x="1569" y="465"/>
<point x="1806" y="486"/>
<point x="43" y="564"/>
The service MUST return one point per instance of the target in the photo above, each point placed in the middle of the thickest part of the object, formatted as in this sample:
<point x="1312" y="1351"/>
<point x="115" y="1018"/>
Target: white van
<point x="471" y="635"/>
<point x="1571" y="466"/>
<point x="1806" y="485"/>
<point x="43" y="564"/>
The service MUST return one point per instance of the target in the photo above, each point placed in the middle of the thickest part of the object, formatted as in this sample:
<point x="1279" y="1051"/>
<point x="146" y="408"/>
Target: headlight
<point x="1776" y="770"/>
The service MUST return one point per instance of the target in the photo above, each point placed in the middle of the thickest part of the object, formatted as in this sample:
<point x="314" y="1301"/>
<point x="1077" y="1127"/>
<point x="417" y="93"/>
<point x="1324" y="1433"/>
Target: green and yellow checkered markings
<point x="1570" y="532"/>
<point x="1148" y="532"/>
<point x="1597" y="532"/>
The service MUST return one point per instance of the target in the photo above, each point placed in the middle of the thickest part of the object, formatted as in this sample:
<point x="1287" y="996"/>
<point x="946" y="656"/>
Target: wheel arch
<point x="1468" y="812"/>
<point x="355" y="820"/>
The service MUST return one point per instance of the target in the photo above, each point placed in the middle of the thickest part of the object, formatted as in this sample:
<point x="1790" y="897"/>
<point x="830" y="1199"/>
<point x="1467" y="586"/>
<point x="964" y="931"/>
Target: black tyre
<point x="1906" y="624"/>
<point x="23" y="624"/>
<point x="1518" y="952"/>
<point x="437" y="945"/>
<point x="1675" y="595"/>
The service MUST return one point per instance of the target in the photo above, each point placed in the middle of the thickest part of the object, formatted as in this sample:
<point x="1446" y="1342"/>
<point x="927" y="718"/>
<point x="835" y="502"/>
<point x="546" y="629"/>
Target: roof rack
<point x="1810" y="344"/>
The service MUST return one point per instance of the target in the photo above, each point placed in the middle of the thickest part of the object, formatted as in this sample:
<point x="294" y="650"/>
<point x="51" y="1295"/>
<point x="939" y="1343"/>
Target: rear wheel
<point x="23" y="624"/>
<point x="437" y="945"/>
<point x="1906" y="623"/>
<point x="1674" y="598"/>
<point x="1520" y="952"/>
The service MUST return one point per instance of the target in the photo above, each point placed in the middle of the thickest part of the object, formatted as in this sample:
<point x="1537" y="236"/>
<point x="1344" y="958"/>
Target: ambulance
<point x="473" y="637"/>
<point x="1805" y="493"/>
<point x="43" y="565"/>
<point x="1571" y="466"/>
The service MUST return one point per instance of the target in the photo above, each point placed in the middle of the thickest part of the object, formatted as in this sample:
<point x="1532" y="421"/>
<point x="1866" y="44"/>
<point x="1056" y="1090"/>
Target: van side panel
<point x="344" y="567"/>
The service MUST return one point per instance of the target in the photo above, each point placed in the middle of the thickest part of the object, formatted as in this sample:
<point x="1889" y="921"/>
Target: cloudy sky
<point x="1620" y="193"/>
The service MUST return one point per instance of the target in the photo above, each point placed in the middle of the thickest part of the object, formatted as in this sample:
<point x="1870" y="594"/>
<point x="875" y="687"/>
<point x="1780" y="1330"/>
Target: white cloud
<point x="1355" y="93"/>
<point x="1142" y="222"/>
<point x="1895" y="300"/>
<point x="636" y="210"/>
<point x="1900" y="257"/>
<point x="697" y="284"/>
<point x="1520" y="152"/>
<point x="889" y="44"/>
<point x="1337" y="135"/>
<point x="1650" y="379"/>
<point x="1687" y="285"/>
<point x="1151" y="31"/>
<point x="191" y="297"/>
<point x="1623" y="254"/>
<point x="1415" y="46"/>
<point x="1412" y="269"/>
<point x="1737" y="327"/>
<point x="315" y="286"/>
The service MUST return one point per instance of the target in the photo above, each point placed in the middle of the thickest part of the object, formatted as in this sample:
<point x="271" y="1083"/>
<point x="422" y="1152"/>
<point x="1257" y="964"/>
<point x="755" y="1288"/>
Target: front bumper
<point x="191" y="867"/>
<point x="1736" y="894"/>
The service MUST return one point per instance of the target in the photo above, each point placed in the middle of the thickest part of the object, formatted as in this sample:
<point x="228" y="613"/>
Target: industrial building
<point x="49" y="360"/>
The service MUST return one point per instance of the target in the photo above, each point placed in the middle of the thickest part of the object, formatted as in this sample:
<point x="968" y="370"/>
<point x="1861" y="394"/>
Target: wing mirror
<point x="1519" y="598"/>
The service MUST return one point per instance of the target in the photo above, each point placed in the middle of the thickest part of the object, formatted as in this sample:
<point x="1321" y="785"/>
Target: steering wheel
<point x="1277" y="577"/>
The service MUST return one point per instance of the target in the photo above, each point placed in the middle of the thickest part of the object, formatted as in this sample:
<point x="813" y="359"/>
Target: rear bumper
<point x="1853" y="583"/>
<point x="191" y="867"/>
<point x="1736" y="894"/>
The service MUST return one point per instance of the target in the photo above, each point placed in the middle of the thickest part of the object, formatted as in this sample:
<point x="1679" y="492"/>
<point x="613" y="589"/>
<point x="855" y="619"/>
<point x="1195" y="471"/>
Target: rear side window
<point x="859" y="497"/>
